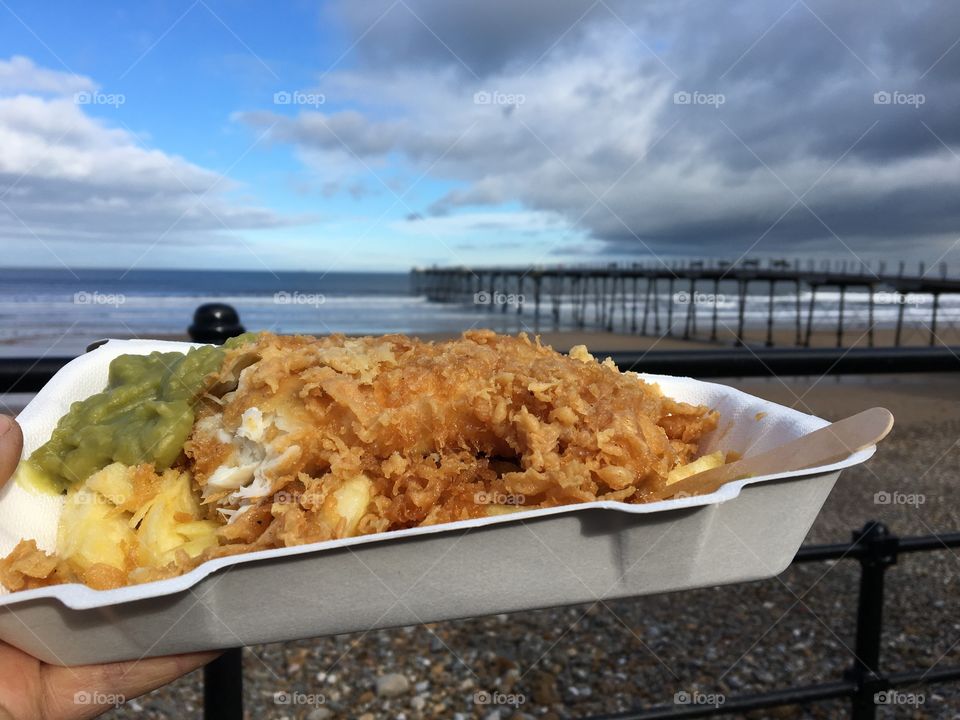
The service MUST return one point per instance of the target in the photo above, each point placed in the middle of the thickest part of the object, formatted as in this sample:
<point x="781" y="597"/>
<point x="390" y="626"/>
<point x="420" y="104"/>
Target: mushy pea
<point x="144" y="416"/>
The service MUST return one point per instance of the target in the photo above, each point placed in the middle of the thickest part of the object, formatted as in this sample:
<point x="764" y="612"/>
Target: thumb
<point x="78" y="693"/>
<point x="11" y="445"/>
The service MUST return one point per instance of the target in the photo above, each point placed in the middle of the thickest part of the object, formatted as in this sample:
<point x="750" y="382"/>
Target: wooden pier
<point x="630" y="298"/>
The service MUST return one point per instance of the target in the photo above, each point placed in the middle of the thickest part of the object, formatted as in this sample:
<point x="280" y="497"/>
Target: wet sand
<point x="618" y="340"/>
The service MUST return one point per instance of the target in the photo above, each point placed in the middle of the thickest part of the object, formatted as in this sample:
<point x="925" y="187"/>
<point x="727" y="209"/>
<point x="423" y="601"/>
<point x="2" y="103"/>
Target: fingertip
<point x="7" y="424"/>
<point x="11" y="445"/>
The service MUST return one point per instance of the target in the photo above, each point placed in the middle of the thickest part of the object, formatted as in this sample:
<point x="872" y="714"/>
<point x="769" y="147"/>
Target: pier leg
<point x="843" y="297"/>
<point x="690" y="309"/>
<point x="536" y="304"/>
<point x="556" y="288"/>
<point x="597" y="302"/>
<point x="656" y="305"/>
<point x="741" y="309"/>
<point x="574" y="300"/>
<point x="933" y="319"/>
<point x="693" y="321"/>
<point x="554" y="300"/>
<point x="900" y="308"/>
<point x="601" y="298"/>
<point x="633" y="319"/>
<point x="796" y="289"/>
<point x="646" y="305"/>
<point x="575" y="291"/>
<point x="813" y="299"/>
<point x="870" y="317"/>
<point x="617" y="283"/>
<point x="713" y="322"/>
<point x="583" y="300"/>
<point x="609" y="294"/>
<point x="611" y="304"/>
<point x="623" y="301"/>
<point x="609" y="301"/>
<point x="770" y="314"/>
<point x="670" y="306"/>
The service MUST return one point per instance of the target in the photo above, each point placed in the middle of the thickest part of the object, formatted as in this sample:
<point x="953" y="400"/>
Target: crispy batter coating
<point x="302" y="439"/>
<point x="438" y="431"/>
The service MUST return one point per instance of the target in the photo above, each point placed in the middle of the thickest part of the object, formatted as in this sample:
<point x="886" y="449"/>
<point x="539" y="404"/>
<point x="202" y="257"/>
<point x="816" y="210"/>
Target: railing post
<point x="215" y="323"/>
<point x="223" y="677"/>
<point x="223" y="687"/>
<point x="879" y="551"/>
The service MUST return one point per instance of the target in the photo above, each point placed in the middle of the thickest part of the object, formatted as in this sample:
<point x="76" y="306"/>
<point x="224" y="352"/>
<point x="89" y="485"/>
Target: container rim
<point x="77" y="596"/>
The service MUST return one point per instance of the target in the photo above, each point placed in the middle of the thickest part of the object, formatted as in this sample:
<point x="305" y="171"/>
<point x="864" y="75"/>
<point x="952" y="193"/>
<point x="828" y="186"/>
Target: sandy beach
<point x="726" y="337"/>
<point x="601" y="340"/>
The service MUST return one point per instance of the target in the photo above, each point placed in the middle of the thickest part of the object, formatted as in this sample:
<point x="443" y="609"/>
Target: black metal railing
<point x="877" y="549"/>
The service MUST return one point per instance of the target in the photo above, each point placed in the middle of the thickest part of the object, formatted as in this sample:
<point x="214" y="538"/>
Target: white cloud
<point x="68" y="176"/>
<point x="467" y="224"/>
<point x="20" y="74"/>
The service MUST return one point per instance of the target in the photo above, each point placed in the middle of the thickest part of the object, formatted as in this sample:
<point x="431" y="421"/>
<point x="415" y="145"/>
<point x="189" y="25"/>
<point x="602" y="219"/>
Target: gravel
<point x="699" y="646"/>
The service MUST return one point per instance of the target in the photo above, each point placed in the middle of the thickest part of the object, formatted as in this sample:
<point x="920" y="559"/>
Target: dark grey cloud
<point x="831" y="125"/>
<point x="479" y="37"/>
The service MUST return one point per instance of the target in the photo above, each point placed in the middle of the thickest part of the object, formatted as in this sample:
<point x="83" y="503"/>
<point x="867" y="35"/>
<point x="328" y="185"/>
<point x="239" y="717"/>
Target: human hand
<point x="33" y="690"/>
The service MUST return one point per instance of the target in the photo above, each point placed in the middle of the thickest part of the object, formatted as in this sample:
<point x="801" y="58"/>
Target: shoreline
<point x="609" y="341"/>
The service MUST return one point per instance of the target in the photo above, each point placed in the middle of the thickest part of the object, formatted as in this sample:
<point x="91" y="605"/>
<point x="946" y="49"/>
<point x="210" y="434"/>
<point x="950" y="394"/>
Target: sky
<point x="384" y="134"/>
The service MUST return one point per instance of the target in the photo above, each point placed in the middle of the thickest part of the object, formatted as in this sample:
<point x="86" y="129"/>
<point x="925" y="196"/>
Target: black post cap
<point x="215" y="323"/>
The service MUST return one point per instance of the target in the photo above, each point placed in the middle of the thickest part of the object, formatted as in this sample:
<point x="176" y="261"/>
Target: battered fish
<point x="300" y="439"/>
<point x="362" y="435"/>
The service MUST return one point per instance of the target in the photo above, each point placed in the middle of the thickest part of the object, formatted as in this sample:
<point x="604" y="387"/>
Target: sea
<point x="58" y="312"/>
